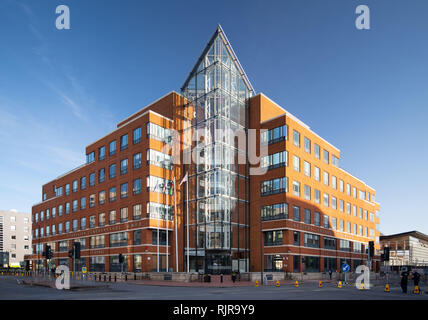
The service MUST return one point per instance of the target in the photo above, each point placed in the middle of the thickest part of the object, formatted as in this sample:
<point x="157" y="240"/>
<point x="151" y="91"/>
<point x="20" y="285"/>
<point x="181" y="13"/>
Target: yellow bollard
<point x="339" y="285"/>
<point x="277" y="283"/>
<point x="320" y="284"/>
<point x="257" y="283"/>
<point x="387" y="288"/>
<point x="362" y="286"/>
<point x="416" y="290"/>
<point x="297" y="283"/>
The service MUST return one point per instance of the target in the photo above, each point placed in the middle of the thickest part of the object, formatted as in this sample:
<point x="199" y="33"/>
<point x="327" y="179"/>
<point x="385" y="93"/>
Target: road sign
<point x="83" y="269"/>
<point x="346" y="267"/>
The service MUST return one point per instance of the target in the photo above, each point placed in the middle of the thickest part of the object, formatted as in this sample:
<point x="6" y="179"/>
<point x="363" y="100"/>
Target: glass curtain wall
<point x="217" y="90"/>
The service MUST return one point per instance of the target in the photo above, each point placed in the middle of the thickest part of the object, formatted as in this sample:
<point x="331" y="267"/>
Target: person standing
<point x="330" y="273"/>
<point x="404" y="278"/>
<point x="416" y="278"/>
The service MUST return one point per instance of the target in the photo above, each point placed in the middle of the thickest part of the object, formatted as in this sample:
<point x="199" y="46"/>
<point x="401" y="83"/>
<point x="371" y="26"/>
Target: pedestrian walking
<point x="330" y="272"/>
<point x="404" y="278"/>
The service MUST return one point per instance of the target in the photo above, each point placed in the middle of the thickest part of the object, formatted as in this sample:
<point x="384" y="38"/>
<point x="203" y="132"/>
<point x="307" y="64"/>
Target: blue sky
<point x="366" y="92"/>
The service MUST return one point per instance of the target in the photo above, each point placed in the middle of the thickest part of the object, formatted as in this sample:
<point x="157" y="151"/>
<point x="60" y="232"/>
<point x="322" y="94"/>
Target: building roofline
<point x="219" y="31"/>
<point x="298" y="121"/>
<point x="414" y="233"/>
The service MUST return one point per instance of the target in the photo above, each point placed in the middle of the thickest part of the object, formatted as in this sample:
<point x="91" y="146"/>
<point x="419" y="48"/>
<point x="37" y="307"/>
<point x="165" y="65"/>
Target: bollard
<point x="339" y="285"/>
<point x="105" y="278"/>
<point x="126" y="277"/>
<point x="297" y="283"/>
<point x="221" y="278"/>
<point x="416" y="290"/>
<point x="115" y="277"/>
<point x="135" y="276"/>
<point x="277" y="283"/>
<point x="257" y="283"/>
<point x="109" y="277"/>
<point x="320" y="284"/>
<point x="387" y="288"/>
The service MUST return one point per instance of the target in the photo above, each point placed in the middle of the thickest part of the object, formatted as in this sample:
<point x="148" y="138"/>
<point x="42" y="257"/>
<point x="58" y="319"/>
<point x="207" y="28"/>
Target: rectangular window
<point x="92" y="201"/>
<point x="275" y="211"/>
<point x="344" y="245"/>
<point x="137" y="161"/>
<point x="75" y="185"/>
<point x="296" y="138"/>
<point x="317" y="151"/>
<point x="136" y="211"/>
<point x="312" y="240"/>
<point x="137" y="237"/>
<point x="92" y="179"/>
<point x="159" y="159"/>
<point x="317" y="195"/>
<point x="112" y="171"/>
<point x="307" y="216"/>
<point x="348" y="189"/>
<point x="334" y="223"/>
<point x="82" y="203"/>
<point x="307" y="192"/>
<point x="82" y="223"/>
<point x="112" y="148"/>
<point x="273" y="186"/>
<point x="275" y="135"/>
<point x="273" y="238"/>
<point x="307" y="144"/>
<point x="124" y="190"/>
<point x="102" y="197"/>
<point x="101" y="175"/>
<point x="334" y="182"/>
<point x="326" y="199"/>
<point x="75" y="225"/>
<point x="159" y="211"/>
<point x="317" y="219"/>
<point x="326" y="157"/>
<point x="275" y="160"/>
<point x="83" y="183"/>
<point x="101" y="219"/>
<point x="124" y="166"/>
<point x="159" y="133"/>
<point x="329" y="243"/>
<point x="136" y="135"/>
<point x="296" y="238"/>
<point x="326" y="178"/>
<point x="326" y="223"/>
<point x="335" y="161"/>
<point x="296" y="213"/>
<point x="90" y="157"/>
<point x="112" y="194"/>
<point x="334" y="203"/>
<point x="296" y="163"/>
<point x="341" y="185"/>
<point x="296" y="188"/>
<point x="102" y="153"/>
<point x="112" y="217"/>
<point x="75" y="205"/>
<point x="307" y="169"/>
<point x="123" y="214"/>
<point x="137" y="186"/>
<point x="342" y="206"/>
<point x="317" y="174"/>
<point x="92" y="222"/>
<point x="124" y="142"/>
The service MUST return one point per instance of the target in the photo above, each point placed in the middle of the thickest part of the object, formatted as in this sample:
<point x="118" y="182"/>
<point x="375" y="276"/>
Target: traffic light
<point x="303" y="260"/>
<point x="121" y="259"/>
<point x="76" y="250"/>
<point x="386" y="253"/>
<point x="371" y="249"/>
<point x="70" y="253"/>
<point x="48" y="252"/>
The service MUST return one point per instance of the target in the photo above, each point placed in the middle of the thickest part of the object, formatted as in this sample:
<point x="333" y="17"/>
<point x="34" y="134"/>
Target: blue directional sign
<point x="346" y="267"/>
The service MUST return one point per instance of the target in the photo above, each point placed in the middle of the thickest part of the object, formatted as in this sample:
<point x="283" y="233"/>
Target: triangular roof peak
<point x="219" y="32"/>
